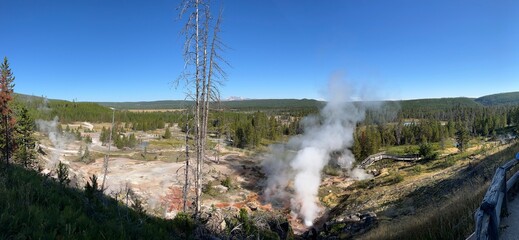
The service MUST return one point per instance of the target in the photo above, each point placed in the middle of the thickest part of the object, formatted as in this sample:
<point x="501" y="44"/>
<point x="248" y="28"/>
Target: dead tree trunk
<point x="200" y="58"/>
<point x="186" y="183"/>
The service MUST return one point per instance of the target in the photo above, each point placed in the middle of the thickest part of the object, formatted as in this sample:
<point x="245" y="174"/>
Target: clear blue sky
<point x="122" y="50"/>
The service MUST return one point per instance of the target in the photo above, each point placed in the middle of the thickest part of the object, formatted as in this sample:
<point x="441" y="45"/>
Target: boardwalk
<point x="510" y="224"/>
<point x="383" y="155"/>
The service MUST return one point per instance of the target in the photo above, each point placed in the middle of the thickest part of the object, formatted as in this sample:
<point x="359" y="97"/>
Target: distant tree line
<point x="119" y="138"/>
<point x="425" y="125"/>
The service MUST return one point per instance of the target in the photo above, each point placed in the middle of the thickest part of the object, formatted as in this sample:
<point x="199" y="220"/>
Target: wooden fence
<point x="488" y="215"/>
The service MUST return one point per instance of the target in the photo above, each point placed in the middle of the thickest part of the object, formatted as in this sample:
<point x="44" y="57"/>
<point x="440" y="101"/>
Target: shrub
<point x="332" y="171"/>
<point x="417" y="169"/>
<point x="227" y="182"/>
<point x="62" y="172"/>
<point x="209" y="189"/>
<point x="92" y="188"/>
<point x="366" y="183"/>
<point x="395" y="178"/>
<point x="426" y="151"/>
<point x="184" y="222"/>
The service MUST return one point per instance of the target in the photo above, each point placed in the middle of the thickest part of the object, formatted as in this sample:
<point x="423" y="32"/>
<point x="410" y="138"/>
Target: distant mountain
<point x="438" y="103"/>
<point x="509" y="98"/>
<point x="235" y="98"/>
<point x="250" y="104"/>
<point x="240" y="103"/>
<point x="257" y="104"/>
<point x="265" y="104"/>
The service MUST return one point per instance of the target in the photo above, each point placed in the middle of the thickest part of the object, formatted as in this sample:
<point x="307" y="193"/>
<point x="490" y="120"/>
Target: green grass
<point x="452" y="221"/>
<point x="36" y="207"/>
<point x="446" y="219"/>
<point x="394" y="178"/>
<point x="165" y="143"/>
<point x="402" y="150"/>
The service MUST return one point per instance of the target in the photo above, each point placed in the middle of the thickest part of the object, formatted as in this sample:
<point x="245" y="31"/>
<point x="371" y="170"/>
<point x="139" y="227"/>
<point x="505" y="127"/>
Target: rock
<point x="45" y="171"/>
<point x="374" y="172"/>
<point x="223" y="226"/>
<point x="352" y="225"/>
<point x="354" y="217"/>
<point x="327" y="226"/>
<point x="215" y="221"/>
<point x="171" y="215"/>
<point x="221" y="188"/>
<point x="252" y="206"/>
<point x="310" y="234"/>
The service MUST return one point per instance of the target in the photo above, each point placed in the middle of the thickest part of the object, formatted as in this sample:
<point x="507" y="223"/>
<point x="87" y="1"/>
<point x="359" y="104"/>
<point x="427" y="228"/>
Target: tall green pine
<point x="462" y="138"/>
<point x="8" y="121"/>
<point x="25" y="153"/>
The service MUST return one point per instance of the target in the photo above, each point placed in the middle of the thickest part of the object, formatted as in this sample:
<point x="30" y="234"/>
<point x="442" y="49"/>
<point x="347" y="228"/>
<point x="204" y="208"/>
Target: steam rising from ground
<point x="303" y="158"/>
<point x="58" y="139"/>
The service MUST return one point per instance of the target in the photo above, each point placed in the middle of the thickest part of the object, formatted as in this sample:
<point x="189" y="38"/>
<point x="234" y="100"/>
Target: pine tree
<point x="86" y="155"/>
<point x="357" y="148"/>
<point x="104" y="136"/>
<point x="8" y="121"/>
<point x="167" y="134"/>
<point x="132" y="141"/>
<point x="462" y="137"/>
<point x="26" y="142"/>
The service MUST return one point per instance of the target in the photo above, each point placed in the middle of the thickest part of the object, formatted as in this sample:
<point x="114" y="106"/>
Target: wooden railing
<point x="488" y="215"/>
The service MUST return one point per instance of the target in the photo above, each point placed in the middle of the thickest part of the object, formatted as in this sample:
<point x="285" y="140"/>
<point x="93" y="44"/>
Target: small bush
<point x="209" y="189"/>
<point x="184" y="222"/>
<point x="426" y="151"/>
<point x="332" y="171"/>
<point x="62" y="172"/>
<point x="92" y="188"/>
<point x="86" y="157"/>
<point x="417" y="169"/>
<point x="395" y="178"/>
<point x="363" y="184"/>
<point x="227" y="182"/>
<point x="445" y="163"/>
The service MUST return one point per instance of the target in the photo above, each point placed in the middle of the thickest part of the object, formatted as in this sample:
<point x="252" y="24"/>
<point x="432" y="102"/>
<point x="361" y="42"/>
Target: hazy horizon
<point x="245" y="99"/>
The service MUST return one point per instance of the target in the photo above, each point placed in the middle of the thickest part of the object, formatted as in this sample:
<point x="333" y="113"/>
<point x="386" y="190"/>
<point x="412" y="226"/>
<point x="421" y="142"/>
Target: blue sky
<point x="122" y="50"/>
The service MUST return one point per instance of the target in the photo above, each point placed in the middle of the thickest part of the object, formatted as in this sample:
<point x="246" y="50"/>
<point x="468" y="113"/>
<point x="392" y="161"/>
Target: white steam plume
<point x="58" y="139"/>
<point x="303" y="158"/>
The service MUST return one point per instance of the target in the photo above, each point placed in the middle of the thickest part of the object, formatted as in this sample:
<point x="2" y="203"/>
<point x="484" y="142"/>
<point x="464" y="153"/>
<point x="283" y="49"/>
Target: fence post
<point x="504" y="207"/>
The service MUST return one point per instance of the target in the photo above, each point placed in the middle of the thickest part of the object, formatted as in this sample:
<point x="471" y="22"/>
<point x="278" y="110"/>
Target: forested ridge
<point x="255" y="123"/>
<point x="510" y="98"/>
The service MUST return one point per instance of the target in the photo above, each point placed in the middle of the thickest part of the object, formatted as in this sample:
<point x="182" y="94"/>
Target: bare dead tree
<point x="185" y="189"/>
<point x="201" y="73"/>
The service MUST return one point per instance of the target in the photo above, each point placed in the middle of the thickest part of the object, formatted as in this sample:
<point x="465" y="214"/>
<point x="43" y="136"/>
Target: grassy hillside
<point x="510" y="98"/>
<point x="33" y="206"/>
